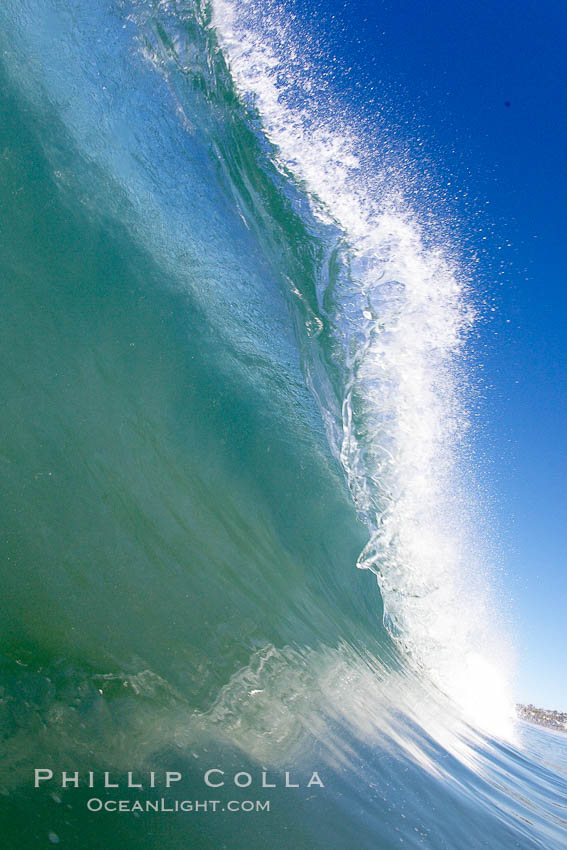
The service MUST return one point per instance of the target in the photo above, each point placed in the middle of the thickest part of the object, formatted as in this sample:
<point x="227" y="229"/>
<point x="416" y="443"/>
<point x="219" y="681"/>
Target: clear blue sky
<point x="485" y="84"/>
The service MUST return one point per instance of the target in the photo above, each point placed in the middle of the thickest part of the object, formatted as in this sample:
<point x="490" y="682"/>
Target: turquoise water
<point x="222" y="392"/>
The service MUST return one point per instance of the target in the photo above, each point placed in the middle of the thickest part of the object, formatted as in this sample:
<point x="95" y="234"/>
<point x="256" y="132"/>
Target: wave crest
<point x="396" y="314"/>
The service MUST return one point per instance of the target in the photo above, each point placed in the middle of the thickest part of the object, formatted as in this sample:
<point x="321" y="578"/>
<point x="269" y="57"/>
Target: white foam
<point x="402" y="317"/>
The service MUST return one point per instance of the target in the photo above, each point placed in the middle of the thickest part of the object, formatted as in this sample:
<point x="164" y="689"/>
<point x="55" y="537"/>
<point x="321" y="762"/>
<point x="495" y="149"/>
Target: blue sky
<point x="485" y="85"/>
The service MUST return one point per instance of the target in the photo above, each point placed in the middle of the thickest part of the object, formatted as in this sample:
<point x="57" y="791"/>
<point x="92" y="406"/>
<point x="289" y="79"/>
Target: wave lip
<point x="396" y="319"/>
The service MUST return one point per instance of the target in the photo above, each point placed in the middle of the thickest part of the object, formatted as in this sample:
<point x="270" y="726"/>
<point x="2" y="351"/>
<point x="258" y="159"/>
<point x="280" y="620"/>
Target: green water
<point x="159" y="509"/>
<point x="163" y="519"/>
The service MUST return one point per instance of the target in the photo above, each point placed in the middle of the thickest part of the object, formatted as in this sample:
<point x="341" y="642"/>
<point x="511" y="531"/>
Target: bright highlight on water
<point x="235" y="370"/>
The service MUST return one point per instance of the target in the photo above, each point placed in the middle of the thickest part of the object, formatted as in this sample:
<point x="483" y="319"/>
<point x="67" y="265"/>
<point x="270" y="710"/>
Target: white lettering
<point x="265" y="783"/>
<point x="214" y="784"/>
<point x="41" y="774"/>
<point x="171" y="776"/>
<point x="289" y="784"/>
<point x="315" y="780"/>
<point x="131" y="783"/>
<point x="72" y="778"/>
<point x="107" y="782"/>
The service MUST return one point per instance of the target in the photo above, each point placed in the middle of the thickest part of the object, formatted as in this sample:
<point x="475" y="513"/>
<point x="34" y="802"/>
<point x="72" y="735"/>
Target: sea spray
<point x="396" y="320"/>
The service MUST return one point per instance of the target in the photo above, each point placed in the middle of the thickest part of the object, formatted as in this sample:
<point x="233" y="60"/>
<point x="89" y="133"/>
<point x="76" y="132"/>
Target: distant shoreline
<point x="556" y="720"/>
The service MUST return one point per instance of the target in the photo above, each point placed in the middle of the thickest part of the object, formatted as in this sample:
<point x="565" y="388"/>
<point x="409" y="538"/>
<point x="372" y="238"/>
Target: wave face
<point x="234" y="366"/>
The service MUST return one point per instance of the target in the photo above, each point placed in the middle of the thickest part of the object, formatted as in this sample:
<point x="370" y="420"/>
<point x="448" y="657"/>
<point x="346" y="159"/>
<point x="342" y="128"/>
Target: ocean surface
<point x="240" y="513"/>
